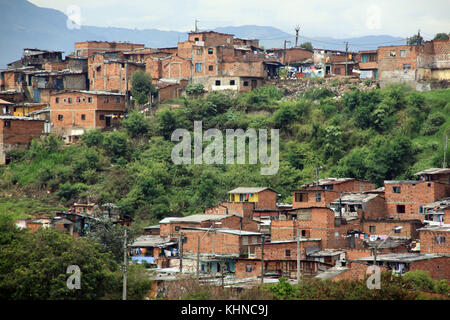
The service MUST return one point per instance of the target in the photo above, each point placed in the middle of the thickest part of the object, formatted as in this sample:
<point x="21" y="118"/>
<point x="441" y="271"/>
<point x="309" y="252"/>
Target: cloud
<point x="332" y="18"/>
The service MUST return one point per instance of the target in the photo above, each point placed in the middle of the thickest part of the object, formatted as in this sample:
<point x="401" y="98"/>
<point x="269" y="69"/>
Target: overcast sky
<point x="339" y="19"/>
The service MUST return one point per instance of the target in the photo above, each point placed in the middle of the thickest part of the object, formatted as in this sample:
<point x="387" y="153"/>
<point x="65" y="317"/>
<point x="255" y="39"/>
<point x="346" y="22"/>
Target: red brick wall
<point x="376" y="208"/>
<point x="439" y="268"/>
<point x="329" y="196"/>
<point x="428" y="244"/>
<point x="412" y="195"/>
<point x="267" y="199"/>
<point x="385" y="227"/>
<point x="217" y="242"/>
<point x="88" y="48"/>
<point x="18" y="135"/>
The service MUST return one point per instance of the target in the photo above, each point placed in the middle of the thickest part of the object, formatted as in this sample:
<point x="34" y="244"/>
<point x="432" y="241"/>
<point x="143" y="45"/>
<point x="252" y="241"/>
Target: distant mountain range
<point x="25" y="25"/>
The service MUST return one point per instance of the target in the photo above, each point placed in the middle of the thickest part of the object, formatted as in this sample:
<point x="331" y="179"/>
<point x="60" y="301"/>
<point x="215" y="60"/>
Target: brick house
<point x="435" y="239"/>
<point x="251" y="202"/>
<point x="170" y="227"/>
<point x="367" y="205"/>
<point x="437" y="265"/>
<point x="86" y="49"/>
<point x="368" y="65"/>
<point x="383" y="226"/>
<point x="325" y="191"/>
<point x="17" y="133"/>
<point x="434" y="61"/>
<point x="110" y="71"/>
<point x="397" y="64"/>
<point x="316" y="223"/>
<point x="407" y="199"/>
<point x="73" y="112"/>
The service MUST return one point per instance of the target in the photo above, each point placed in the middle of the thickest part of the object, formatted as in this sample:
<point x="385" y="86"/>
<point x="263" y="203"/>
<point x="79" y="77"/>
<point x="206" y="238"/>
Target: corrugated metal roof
<point x="198" y="218"/>
<point x="433" y="171"/>
<point x="249" y="190"/>
<point x="152" y="241"/>
<point x="402" y="257"/>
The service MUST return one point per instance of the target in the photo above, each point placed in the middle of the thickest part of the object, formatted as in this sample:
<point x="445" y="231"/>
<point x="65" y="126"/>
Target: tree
<point x="195" y="89"/>
<point x="142" y="87"/>
<point x="136" y="124"/>
<point x="307" y="46"/>
<point x="441" y="36"/>
<point x="33" y="265"/>
<point x="415" y="40"/>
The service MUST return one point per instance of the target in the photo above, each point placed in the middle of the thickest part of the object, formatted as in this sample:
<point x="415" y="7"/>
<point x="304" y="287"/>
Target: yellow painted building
<point x="22" y="110"/>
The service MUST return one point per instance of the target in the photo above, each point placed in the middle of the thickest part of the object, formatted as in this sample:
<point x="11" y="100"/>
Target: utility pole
<point x="262" y="259"/>
<point x="284" y="55"/>
<point x="444" y="164"/>
<point x="181" y="252"/>
<point x="298" y="255"/>
<point x="198" y="258"/>
<point x="297" y="29"/>
<point x="124" y="292"/>
<point x="346" y="58"/>
<point x="127" y="97"/>
<point x="196" y="28"/>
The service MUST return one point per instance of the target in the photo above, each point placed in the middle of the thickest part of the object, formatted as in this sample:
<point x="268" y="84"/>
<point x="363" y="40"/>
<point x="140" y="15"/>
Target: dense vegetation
<point x="33" y="266"/>
<point x="376" y="135"/>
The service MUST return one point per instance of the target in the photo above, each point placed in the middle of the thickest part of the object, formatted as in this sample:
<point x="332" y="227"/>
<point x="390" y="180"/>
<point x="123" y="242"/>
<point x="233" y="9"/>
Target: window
<point x="99" y="68"/>
<point x="65" y="100"/>
<point x="421" y="209"/>
<point x="210" y="68"/>
<point x="78" y="53"/>
<point x="60" y="117"/>
<point x="318" y="197"/>
<point x="392" y="53"/>
<point x="102" y="117"/>
<point x="217" y="82"/>
<point x="402" y="53"/>
<point x="372" y="229"/>
<point x="89" y="99"/>
<point x="396" y="189"/>
<point x="287" y="253"/>
<point x="210" y="51"/>
<point x="177" y="228"/>
<point x="245" y="83"/>
<point x="57" y="100"/>
<point x="397" y="230"/>
<point x="83" y="117"/>
<point x="7" y="124"/>
<point x="70" y="100"/>
<point x="198" y="67"/>
<point x="248" y="268"/>
<point x="301" y="197"/>
<point x="118" y="100"/>
<point x="196" y="39"/>
<point x="199" y="51"/>
<point x="232" y="82"/>
<point x="303" y="233"/>
<point x="439" y="240"/>
<point x="78" y="99"/>
<point x="105" y="100"/>
<point x="406" y="66"/>
<point x="400" y="208"/>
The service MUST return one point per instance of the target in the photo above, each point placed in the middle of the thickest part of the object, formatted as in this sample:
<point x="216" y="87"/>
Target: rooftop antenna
<point x="196" y="28"/>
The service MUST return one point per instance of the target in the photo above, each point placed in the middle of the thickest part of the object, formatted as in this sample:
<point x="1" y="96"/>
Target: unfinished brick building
<point x="87" y="49"/>
<point x="170" y="227"/>
<point x="110" y="71"/>
<point x="73" y="112"/>
<point x="17" y="133"/>
<point x="324" y="191"/>
<point x="435" y="239"/>
<point x="407" y="199"/>
<point x="250" y="202"/>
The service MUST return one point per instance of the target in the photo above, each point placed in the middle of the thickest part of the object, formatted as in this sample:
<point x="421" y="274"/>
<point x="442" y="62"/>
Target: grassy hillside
<point x="369" y="134"/>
